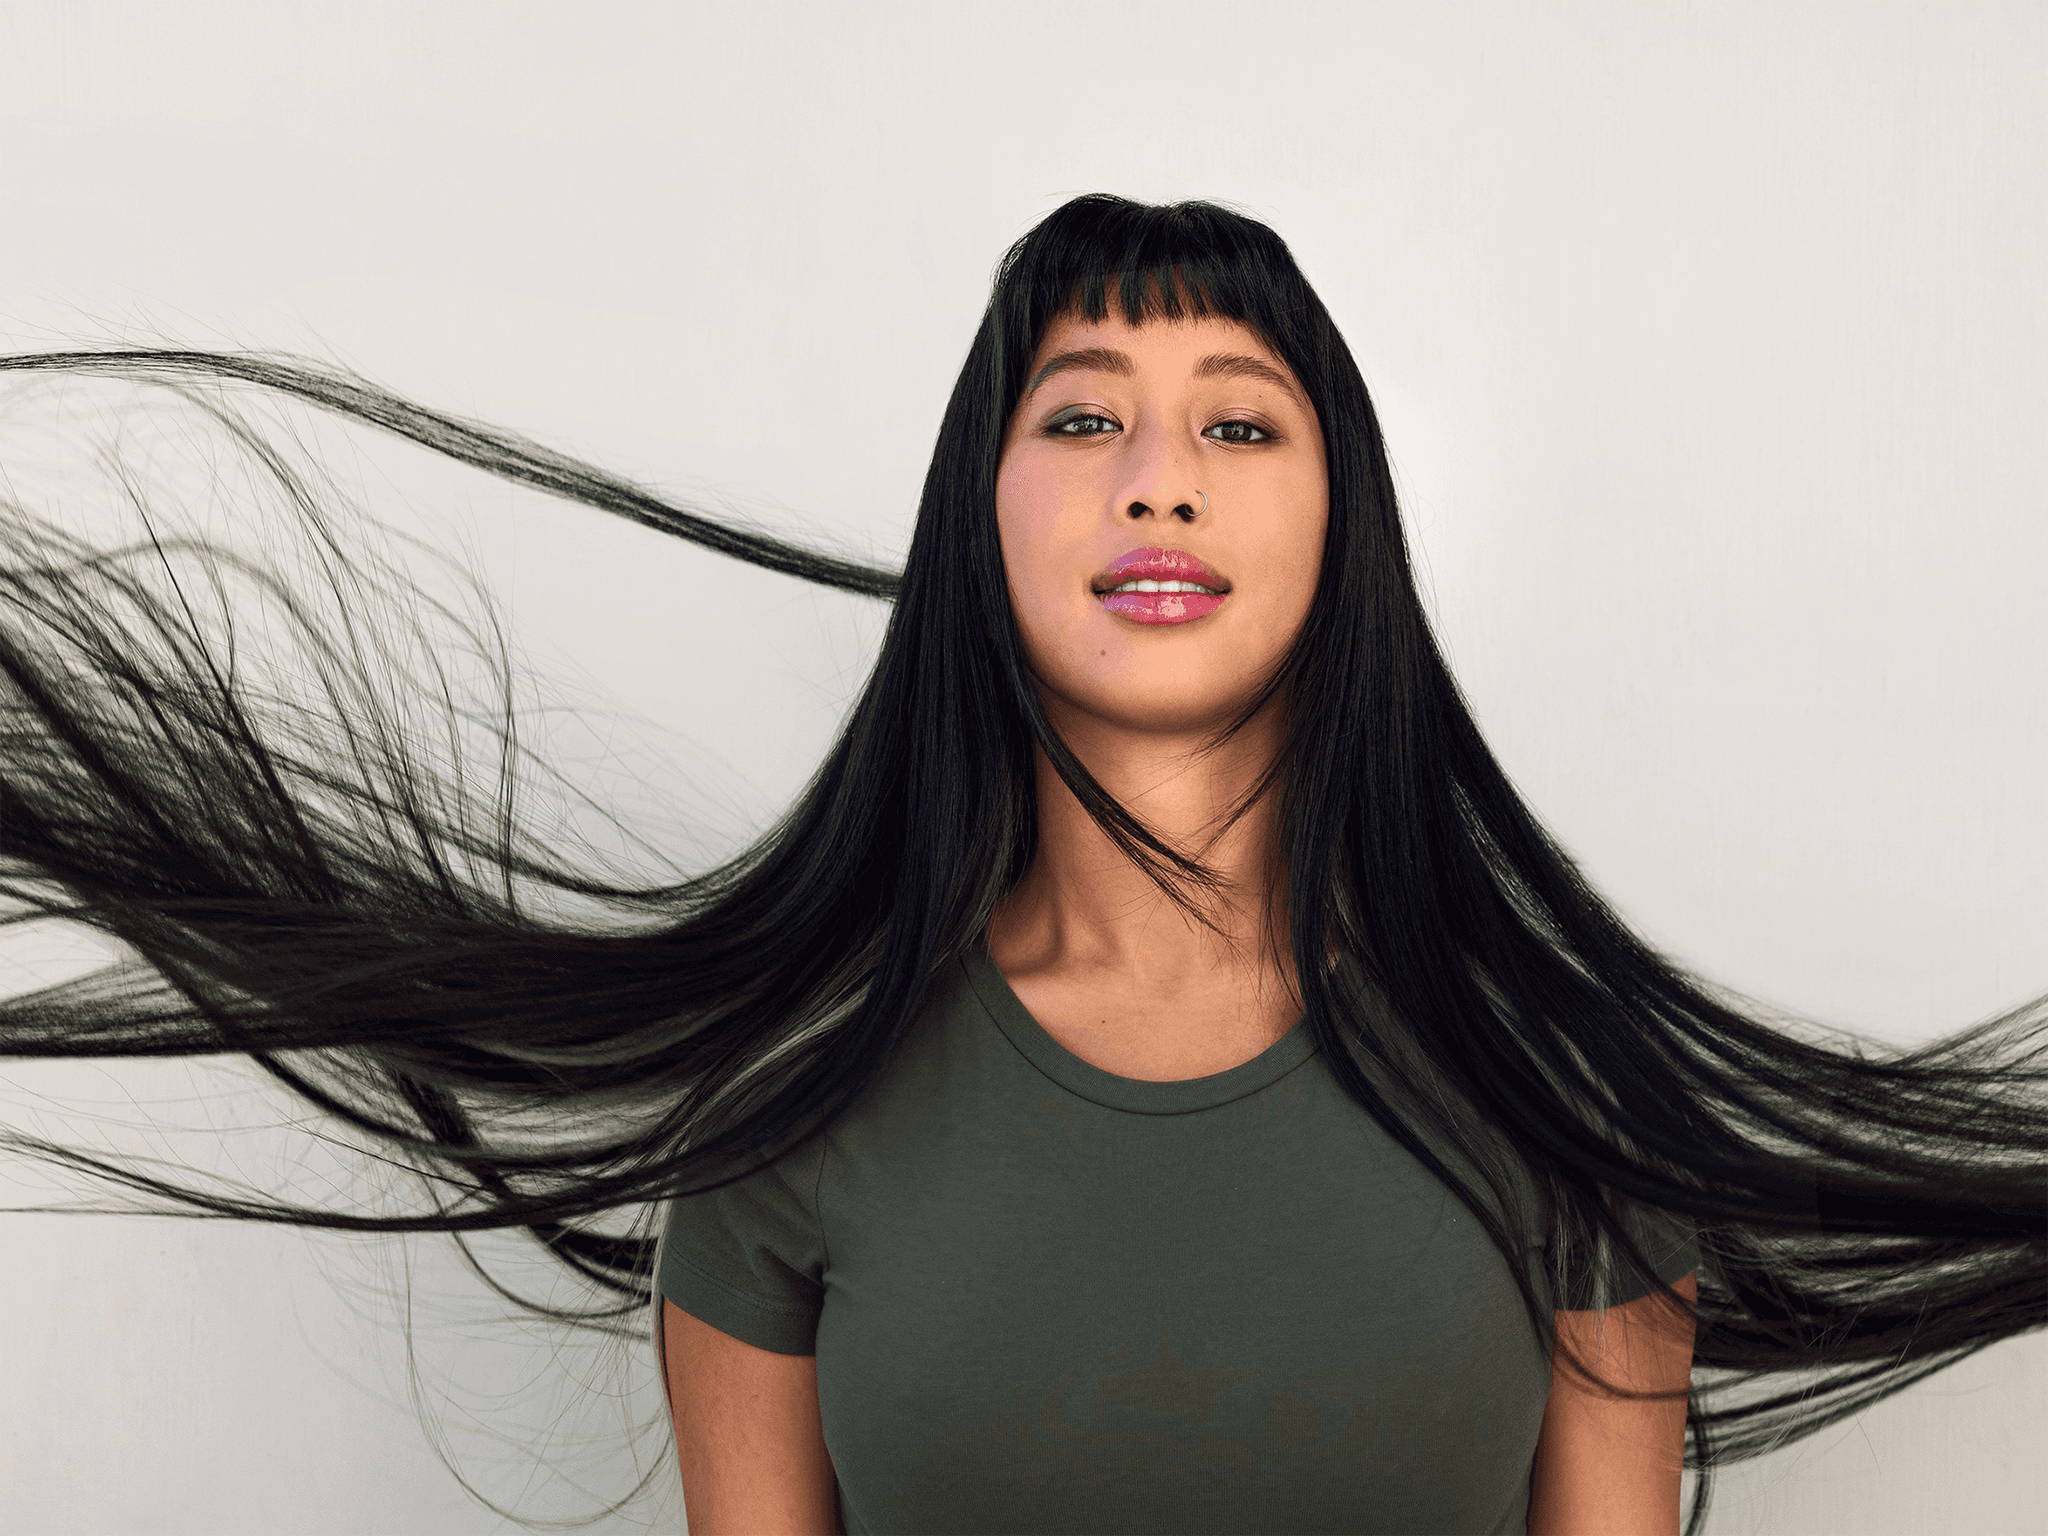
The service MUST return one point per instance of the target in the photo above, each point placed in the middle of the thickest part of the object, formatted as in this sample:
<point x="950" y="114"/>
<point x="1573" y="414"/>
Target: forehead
<point x="1188" y="347"/>
<point x="1161" y="337"/>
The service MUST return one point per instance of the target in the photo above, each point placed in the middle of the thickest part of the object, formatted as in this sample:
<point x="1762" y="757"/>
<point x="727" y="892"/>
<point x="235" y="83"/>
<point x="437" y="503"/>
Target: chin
<point x="1166" y="709"/>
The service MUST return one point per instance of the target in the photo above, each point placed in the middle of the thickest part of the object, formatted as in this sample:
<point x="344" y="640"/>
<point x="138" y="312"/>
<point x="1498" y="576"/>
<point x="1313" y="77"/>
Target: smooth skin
<point x="1111" y="448"/>
<point x="1116" y="453"/>
<point x="1609" y="1466"/>
<point x="749" y="1434"/>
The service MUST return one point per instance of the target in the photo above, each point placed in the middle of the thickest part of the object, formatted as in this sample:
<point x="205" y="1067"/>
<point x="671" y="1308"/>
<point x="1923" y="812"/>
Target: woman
<point x="1158" y="1076"/>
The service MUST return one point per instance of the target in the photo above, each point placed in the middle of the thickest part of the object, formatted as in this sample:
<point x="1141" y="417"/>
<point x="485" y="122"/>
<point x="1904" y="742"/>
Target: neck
<point x="1084" y="910"/>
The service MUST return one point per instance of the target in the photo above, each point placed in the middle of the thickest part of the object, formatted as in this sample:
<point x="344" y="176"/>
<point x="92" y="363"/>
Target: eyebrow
<point x="1217" y="365"/>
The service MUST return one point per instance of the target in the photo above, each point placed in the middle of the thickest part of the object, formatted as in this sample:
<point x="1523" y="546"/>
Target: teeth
<point x="1165" y="586"/>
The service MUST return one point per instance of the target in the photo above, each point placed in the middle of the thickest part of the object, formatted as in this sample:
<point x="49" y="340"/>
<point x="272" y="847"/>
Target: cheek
<point x="1290" y="568"/>
<point x="1036" y="558"/>
<point x="1307" y="569"/>
<point x="1312" y="533"/>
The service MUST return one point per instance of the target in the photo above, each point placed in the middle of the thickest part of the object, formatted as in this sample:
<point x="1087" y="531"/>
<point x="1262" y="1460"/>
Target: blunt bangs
<point x="1167" y="262"/>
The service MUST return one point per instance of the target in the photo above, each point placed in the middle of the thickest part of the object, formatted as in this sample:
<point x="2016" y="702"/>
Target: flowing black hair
<point x="304" y="887"/>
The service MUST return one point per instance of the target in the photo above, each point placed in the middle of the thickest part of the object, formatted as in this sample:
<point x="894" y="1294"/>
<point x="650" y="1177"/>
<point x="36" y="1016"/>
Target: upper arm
<point x="749" y="1434"/>
<point x="1608" y="1466"/>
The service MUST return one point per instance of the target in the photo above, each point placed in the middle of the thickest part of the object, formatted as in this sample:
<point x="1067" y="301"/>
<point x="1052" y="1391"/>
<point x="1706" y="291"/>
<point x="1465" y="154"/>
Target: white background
<point x="1708" y="340"/>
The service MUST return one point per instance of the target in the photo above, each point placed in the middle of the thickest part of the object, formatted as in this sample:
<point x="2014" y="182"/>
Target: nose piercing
<point x="1205" y="503"/>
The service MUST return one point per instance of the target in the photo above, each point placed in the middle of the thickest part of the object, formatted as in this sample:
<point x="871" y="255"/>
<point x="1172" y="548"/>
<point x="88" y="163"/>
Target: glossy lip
<point x="1154" y="564"/>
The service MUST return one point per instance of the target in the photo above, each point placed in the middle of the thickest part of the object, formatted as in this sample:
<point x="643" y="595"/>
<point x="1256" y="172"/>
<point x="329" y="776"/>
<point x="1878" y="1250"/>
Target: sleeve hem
<point x="782" y="1330"/>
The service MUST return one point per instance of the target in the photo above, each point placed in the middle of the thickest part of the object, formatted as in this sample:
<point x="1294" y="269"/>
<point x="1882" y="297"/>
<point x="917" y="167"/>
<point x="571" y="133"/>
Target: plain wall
<point x="1708" y="342"/>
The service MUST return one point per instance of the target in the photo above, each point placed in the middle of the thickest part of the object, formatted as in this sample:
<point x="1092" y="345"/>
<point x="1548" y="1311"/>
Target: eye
<point x="1076" y="425"/>
<point x="1239" y="431"/>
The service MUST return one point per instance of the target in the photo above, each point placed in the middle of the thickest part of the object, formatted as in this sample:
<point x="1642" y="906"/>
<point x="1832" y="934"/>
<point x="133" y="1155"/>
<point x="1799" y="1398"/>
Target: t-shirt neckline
<point x="1107" y="1088"/>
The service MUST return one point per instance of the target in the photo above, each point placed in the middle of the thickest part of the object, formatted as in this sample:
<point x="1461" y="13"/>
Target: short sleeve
<point x="1669" y="1242"/>
<point x="749" y="1258"/>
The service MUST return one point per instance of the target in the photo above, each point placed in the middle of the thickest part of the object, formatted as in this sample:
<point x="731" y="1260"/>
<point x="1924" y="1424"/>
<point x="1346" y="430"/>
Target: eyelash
<point x="1267" y="434"/>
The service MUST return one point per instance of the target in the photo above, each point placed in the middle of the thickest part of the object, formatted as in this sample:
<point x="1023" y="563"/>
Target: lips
<point x="1158" y="583"/>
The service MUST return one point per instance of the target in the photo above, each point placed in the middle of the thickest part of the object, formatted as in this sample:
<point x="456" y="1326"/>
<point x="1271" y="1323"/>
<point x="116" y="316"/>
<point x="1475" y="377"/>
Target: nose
<point x="1163" y="488"/>
<point x="1184" y="510"/>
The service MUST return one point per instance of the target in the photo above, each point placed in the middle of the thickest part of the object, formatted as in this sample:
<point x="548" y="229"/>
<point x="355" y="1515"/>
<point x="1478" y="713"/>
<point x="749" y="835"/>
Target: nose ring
<point x="1205" y="502"/>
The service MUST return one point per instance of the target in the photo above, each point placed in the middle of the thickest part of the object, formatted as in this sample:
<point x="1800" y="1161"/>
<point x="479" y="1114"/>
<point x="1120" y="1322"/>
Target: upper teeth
<point x="1164" y="586"/>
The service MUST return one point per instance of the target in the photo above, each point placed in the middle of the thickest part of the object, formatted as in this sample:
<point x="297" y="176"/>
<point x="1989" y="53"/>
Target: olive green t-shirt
<point x="1046" y="1298"/>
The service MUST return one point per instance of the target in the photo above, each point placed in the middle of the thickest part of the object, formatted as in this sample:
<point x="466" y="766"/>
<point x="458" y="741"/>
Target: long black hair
<point x="546" y="1045"/>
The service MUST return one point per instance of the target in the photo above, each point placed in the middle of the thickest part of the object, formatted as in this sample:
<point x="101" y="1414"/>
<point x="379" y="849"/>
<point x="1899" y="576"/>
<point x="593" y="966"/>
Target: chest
<point x="1257" y="1317"/>
<point x="1159" y="1039"/>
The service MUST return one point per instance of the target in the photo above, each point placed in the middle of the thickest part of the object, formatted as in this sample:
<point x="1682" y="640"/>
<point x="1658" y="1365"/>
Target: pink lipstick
<point x="1159" y="586"/>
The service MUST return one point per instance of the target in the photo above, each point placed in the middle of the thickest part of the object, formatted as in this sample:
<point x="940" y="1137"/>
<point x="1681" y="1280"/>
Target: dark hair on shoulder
<point x="308" y="888"/>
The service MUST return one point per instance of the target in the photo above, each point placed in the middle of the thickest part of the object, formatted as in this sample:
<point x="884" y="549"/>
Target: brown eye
<point x="1062" y="426"/>
<point x="1236" y="436"/>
